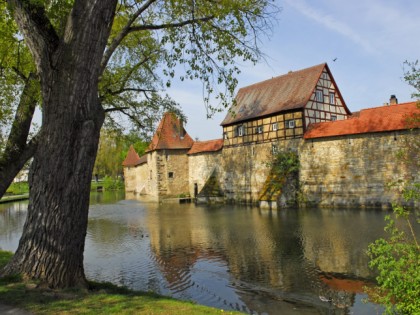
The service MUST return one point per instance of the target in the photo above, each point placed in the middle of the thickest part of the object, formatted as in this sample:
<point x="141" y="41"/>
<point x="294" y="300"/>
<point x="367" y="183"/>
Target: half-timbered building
<point x="283" y="107"/>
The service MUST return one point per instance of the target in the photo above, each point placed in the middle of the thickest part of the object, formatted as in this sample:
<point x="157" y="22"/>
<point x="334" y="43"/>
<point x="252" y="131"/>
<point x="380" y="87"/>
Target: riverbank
<point x="12" y="198"/>
<point x="100" y="298"/>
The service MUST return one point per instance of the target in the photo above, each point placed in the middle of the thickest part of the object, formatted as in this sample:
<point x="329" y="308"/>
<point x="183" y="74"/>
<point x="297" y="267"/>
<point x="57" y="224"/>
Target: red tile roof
<point x="206" y="146"/>
<point x="287" y="92"/>
<point x="170" y="134"/>
<point x="378" y="119"/>
<point x="132" y="158"/>
<point x="143" y="159"/>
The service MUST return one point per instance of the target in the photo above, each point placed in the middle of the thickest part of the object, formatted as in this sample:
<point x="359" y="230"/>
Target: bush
<point x="110" y="183"/>
<point x="397" y="260"/>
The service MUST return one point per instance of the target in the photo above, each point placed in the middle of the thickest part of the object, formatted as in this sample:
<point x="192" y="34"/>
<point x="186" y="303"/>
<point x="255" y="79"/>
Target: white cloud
<point x="333" y="24"/>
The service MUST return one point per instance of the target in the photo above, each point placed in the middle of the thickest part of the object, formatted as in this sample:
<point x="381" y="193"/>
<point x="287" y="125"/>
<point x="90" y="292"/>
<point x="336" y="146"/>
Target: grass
<point x="19" y="188"/>
<point x="107" y="183"/>
<point x="101" y="298"/>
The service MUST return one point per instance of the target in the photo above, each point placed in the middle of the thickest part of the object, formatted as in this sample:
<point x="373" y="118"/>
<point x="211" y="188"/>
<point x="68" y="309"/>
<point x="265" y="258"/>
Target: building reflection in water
<point x="305" y="258"/>
<point x="306" y="261"/>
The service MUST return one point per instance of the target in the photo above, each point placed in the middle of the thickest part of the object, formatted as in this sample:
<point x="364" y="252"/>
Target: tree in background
<point x="112" y="150"/>
<point x="397" y="257"/>
<point x="98" y="58"/>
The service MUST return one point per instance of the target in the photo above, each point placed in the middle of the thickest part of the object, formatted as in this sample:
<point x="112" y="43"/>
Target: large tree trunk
<point x="52" y="244"/>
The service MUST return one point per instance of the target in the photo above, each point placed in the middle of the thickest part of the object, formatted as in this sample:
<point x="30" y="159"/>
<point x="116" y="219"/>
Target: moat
<point x="296" y="261"/>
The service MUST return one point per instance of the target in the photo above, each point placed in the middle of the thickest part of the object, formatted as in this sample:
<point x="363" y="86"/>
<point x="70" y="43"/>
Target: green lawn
<point x="101" y="298"/>
<point x="19" y="188"/>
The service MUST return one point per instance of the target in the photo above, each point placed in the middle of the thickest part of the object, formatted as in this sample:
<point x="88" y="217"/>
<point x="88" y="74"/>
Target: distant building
<point x="283" y="107"/>
<point x="345" y="159"/>
<point x="163" y="170"/>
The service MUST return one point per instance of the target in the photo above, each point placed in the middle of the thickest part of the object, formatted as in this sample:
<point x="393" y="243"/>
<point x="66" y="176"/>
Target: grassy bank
<point x="101" y="298"/>
<point x="20" y="188"/>
<point x="107" y="183"/>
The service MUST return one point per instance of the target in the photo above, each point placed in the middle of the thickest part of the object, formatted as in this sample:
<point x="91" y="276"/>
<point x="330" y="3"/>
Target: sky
<point x="370" y="40"/>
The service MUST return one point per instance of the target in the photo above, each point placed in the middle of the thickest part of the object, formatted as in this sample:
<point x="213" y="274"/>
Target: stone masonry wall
<point x="201" y="167"/>
<point x="354" y="170"/>
<point x="172" y="163"/>
<point x="130" y="179"/>
<point x="245" y="169"/>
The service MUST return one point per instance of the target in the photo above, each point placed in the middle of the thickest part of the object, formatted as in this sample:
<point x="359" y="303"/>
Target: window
<point x="319" y="96"/>
<point x="240" y="131"/>
<point x="225" y="135"/>
<point x="290" y="123"/>
<point x="274" y="148"/>
<point x="170" y="174"/>
<point x="333" y="117"/>
<point x="274" y="126"/>
<point x="332" y="98"/>
<point x="259" y="129"/>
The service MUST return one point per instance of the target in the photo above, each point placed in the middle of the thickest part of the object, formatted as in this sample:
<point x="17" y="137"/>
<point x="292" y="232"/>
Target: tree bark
<point x="52" y="244"/>
<point x="17" y="151"/>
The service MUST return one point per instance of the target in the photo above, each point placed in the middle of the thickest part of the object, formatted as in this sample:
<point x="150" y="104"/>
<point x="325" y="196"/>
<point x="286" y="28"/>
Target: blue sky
<point x="370" y="39"/>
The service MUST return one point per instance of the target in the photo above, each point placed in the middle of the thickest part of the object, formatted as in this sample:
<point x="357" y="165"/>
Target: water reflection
<point x="306" y="261"/>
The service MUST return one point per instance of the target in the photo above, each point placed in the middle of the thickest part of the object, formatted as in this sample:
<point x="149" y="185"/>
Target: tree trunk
<point x="52" y="244"/>
<point x="17" y="152"/>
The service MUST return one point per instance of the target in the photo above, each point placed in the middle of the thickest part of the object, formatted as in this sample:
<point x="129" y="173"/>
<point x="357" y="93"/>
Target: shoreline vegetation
<point x="20" y="190"/>
<point x="100" y="298"/>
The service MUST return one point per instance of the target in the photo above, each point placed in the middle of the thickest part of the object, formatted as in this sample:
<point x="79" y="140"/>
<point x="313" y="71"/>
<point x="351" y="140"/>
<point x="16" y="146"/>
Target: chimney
<point x="393" y="100"/>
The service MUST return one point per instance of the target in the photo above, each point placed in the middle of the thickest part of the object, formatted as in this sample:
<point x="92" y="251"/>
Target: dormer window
<point x="319" y="96"/>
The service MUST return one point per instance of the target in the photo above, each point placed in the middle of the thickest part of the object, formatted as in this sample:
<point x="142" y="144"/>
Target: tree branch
<point x="122" y="90"/>
<point x="37" y="29"/>
<point x="169" y="25"/>
<point x="17" y="152"/>
<point x="122" y="34"/>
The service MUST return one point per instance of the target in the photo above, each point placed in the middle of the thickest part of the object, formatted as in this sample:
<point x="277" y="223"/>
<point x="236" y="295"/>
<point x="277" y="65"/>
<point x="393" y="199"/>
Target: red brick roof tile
<point x="378" y="119"/>
<point x="285" y="92"/>
<point x="132" y="158"/>
<point x="206" y="146"/>
<point x="170" y="134"/>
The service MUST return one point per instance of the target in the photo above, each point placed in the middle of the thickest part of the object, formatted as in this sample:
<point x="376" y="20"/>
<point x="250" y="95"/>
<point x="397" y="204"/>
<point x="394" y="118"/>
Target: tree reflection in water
<point x="308" y="261"/>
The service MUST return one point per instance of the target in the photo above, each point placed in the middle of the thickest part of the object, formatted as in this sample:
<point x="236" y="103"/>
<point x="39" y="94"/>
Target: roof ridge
<point x="282" y="75"/>
<point x="388" y="105"/>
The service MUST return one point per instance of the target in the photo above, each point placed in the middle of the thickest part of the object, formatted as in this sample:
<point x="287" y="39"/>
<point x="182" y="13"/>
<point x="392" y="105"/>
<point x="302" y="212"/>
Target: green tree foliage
<point x="397" y="257"/>
<point x="113" y="148"/>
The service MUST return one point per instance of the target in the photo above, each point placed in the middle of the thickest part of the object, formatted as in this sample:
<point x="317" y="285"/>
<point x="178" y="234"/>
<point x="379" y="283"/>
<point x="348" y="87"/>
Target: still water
<point x="306" y="261"/>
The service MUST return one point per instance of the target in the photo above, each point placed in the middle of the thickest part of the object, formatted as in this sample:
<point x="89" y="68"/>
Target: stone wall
<point x="130" y="178"/>
<point x="201" y="167"/>
<point x="354" y="170"/>
<point x="245" y="169"/>
<point x="172" y="172"/>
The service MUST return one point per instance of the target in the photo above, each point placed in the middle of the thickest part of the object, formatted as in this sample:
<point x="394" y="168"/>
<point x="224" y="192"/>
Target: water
<point x="306" y="261"/>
